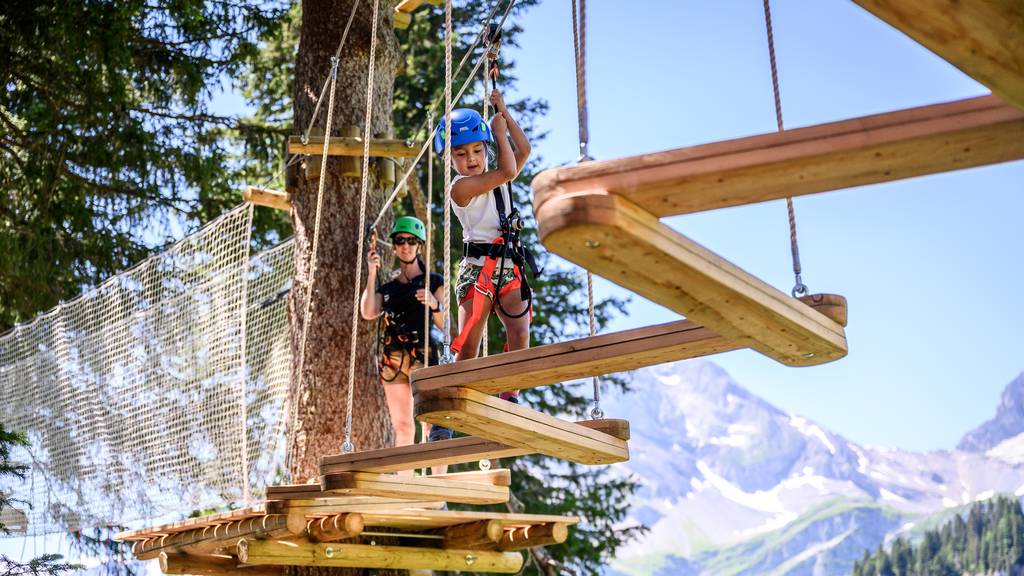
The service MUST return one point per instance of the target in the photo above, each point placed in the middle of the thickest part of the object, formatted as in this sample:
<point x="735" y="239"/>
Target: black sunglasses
<point x="403" y="240"/>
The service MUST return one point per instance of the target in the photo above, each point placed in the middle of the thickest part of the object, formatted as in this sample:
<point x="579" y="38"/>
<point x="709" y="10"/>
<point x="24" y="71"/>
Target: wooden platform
<point x="866" y="150"/>
<point x="219" y="543"/>
<point x="489" y="417"/>
<point x="447" y="452"/>
<point x="252" y="542"/>
<point x="353" y="146"/>
<point x="595" y="356"/>
<point x="985" y="40"/>
<point x="405" y="8"/>
<point x="486" y="488"/>
<point x="267" y="197"/>
<point x="614" y="238"/>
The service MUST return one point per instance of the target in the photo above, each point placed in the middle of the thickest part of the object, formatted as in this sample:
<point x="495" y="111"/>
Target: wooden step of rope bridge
<point x="486" y="416"/>
<point x="596" y="355"/>
<point x="447" y="452"/>
<point x="854" y="152"/>
<point x="613" y="237"/>
<point x="982" y="39"/>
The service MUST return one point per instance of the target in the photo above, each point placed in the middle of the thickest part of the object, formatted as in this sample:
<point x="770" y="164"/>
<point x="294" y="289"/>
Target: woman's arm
<point x="434" y="304"/>
<point x="439" y="315"/>
<point x="519" y="140"/>
<point x="471" y="186"/>
<point x="370" y="302"/>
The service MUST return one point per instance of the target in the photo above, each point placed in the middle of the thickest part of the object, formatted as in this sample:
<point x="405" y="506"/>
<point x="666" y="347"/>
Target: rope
<point x="447" y="356"/>
<point x="337" y="54"/>
<point x="485" y="340"/>
<point x="428" y="249"/>
<point x="316" y="227"/>
<point x="799" y="288"/>
<point x="448" y="103"/>
<point x="579" y="40"/>
<point x="346" y="446"/>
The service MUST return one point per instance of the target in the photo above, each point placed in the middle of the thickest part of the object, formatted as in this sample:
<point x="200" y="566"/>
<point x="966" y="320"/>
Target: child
<point x="490" y="266"/>
<point x="402" y="302"/>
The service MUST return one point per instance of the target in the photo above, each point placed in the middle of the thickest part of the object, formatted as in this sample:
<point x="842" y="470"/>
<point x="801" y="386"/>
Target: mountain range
<point x="733" y="485"/>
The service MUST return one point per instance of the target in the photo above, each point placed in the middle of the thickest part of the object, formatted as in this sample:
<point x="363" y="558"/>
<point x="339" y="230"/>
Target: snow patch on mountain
<point x="720" y="468"/>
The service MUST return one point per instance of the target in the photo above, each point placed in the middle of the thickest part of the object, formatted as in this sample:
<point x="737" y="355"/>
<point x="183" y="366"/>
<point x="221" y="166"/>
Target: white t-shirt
<point x="479" y="218"/>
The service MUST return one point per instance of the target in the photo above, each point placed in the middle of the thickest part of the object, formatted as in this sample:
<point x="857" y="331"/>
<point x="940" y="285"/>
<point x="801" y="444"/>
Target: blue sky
<point x="931" y="265"/>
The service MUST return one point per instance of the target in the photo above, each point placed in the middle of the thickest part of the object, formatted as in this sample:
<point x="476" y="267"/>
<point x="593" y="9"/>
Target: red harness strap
<point x="484" y="286"/>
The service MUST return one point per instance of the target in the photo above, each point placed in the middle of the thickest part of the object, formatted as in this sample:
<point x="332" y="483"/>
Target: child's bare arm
<point x="519" y="140"/>
<point x="467" y="188"/>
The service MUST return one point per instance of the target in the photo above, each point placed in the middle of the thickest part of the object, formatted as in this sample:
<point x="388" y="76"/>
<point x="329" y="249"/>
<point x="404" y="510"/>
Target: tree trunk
<point x="318" y="396"/>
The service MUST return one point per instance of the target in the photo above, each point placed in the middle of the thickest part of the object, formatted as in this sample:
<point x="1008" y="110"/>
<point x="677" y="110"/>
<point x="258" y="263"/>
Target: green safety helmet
<point x="409" y="225"/>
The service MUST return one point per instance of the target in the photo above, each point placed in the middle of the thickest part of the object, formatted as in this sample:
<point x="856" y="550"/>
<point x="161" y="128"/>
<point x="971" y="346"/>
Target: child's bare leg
<point x="399" y="399"/>
<point x="471" y="344"/>
<point x="517" y="330"/>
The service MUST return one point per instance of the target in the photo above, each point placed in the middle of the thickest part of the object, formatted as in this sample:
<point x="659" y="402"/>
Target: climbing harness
<point x="799" y="289"/>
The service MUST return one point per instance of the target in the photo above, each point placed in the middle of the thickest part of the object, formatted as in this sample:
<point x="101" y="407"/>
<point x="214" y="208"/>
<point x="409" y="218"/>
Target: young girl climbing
<point x="493" y="261"/>
<point x="401" y="300"/>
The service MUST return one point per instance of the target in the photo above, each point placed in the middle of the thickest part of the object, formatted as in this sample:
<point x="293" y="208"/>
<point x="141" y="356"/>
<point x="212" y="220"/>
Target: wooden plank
<point x="267" y="197"/>
<point x="413" y="520"/>
<point x="532" y="536"/>
<point x="191" y="523"/>
<point x="446" y="452"/>
<point x="985" y="40"/>
<point x="486" y="416"/>
<point x="414" y="487"/>
<point x="328" y="506"/>
<point x="855" y="152"/>
<point x="175" y="563"/>
<point x="353" y="146"/>
<point x="484" y="534"/>
<point x="613" y="237"/>
<point x="212" y="538"/>
<point x="408" y="6"/>
<point x="335" y="527"/>
<point x="496" y="476"/>
<point x="269" y="552"/>
<point x="401" y="20"/>
<point x="595" y="356"/>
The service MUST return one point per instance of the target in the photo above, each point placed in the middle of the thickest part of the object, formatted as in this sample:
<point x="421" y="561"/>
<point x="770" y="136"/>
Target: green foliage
<point x="49" y="564"/>
<point x="989" y="541"/>
<point x="106" y="138"/>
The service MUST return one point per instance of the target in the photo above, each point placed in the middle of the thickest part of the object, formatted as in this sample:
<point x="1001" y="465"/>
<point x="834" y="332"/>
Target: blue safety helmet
<point x="467" y="126"/>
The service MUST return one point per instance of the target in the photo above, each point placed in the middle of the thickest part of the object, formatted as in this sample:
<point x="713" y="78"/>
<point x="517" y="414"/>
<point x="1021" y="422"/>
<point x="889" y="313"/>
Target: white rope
<point x="448" y="104"/>
<point x="429" y="248"/>
<point x="579" y="37"/>
<point x="347" y="446"/>
<point x="337" y="54"/>
<point x="447" y="358"/>
<point x="799" y="288"/>
<point x="319" y="100"/>
<point x="306" y="320"/>
<point x="485" y="340"/>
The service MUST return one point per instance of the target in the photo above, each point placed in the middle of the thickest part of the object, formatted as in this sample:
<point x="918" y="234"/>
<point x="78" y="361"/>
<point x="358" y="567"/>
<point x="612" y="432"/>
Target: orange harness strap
<point x="484" y="286"/>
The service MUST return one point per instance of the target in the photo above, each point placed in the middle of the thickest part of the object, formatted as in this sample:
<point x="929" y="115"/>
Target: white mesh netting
<point x="161" y="389"/>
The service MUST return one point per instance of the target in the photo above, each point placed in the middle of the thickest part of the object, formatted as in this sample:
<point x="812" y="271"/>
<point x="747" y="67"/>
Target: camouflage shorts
<point x="468" y="274"/>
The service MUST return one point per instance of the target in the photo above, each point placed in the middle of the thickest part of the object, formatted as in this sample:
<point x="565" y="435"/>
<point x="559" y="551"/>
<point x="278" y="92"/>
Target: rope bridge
<point x="160" y="389"/>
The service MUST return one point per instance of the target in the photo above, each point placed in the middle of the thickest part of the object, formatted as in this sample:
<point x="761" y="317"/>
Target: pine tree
<point x="106" y="135"/>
